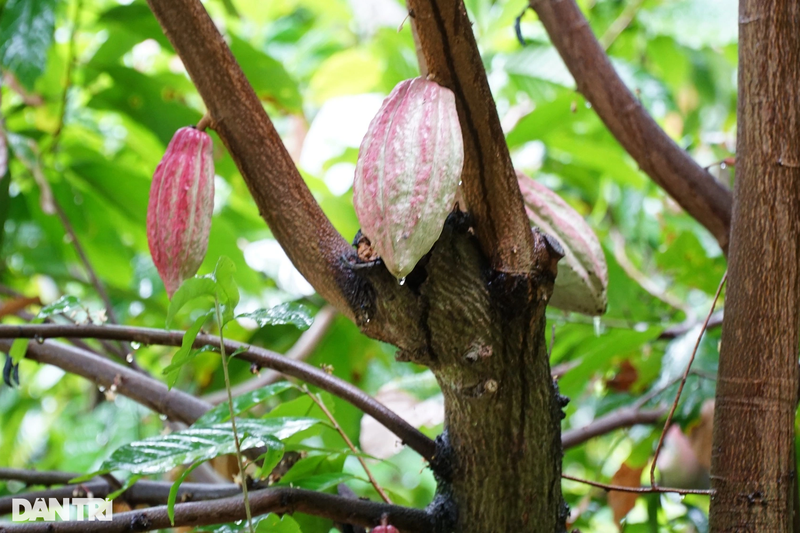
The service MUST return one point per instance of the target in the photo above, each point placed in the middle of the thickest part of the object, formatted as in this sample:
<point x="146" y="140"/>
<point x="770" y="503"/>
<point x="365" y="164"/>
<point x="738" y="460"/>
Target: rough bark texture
<point x="753" y="463"/>
<point x="658" y="155"/>
<point x="499" y="459"/>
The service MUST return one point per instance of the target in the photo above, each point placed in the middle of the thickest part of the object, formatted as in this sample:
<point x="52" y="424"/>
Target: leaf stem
<point x="242" y="473"/>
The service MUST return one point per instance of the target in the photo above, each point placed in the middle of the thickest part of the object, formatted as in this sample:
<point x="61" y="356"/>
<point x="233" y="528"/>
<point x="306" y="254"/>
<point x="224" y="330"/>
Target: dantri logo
<point x="86" y="509"/>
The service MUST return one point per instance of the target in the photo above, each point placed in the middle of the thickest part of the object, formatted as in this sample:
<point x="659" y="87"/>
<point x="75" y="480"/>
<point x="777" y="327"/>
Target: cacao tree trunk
<point x="498" y="462"/>
<point x="753" y="463"/>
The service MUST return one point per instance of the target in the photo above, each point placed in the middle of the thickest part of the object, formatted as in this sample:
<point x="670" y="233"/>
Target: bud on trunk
<point x="180" y="207"/>
<point x="582" y="273"/>
<point x="408" y="171"/>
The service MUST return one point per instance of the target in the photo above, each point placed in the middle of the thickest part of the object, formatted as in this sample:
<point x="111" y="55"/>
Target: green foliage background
<point x="92" y="93"/>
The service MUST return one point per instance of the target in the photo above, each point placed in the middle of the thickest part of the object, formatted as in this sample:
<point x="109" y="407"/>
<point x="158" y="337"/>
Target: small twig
<point x="347" y="440"/>
<point x="685" y="327"/>
<point x="637" y="490"/>
<point x="620" y="418"/>
<point x="683" y="381"/>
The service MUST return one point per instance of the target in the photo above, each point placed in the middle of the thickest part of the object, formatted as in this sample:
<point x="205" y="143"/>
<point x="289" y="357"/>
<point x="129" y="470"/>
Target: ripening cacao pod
<point x="180" y="207"/>
<point x="385" y="529"/>
<point x="408" y="171"/>
<point x="582" y="274"/>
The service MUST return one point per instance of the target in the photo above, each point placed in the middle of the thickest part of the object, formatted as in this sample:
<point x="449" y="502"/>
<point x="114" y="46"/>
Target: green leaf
<point x="189" y="290"/>
<point x="318" y="482"/>
<point x="288" y="313"/>
<point x="221" y="413"/>
<point x="173" y="491"/>
<point x="273" y="523"/>
<point x="269" y="460"/>
<point x="61" y="306"/>
<point x="26" y="32"/>
<point x="227" y="291"/>
<point x="125" y="486"/>
<point x="185" y="353"/>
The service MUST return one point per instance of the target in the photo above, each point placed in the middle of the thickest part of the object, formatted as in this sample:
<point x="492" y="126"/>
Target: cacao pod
<point x="408" y="171"/>
<point x="385" y="529"/>
<point x="582" y="274"/>
<point x="180" y="207"/>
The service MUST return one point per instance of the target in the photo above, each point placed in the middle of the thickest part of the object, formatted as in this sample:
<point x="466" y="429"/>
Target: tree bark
<point x="753" y="462"/>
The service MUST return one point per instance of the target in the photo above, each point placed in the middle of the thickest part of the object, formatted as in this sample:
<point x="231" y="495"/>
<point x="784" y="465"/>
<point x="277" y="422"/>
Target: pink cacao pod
<point x="582" y="273"/>
<point x="408" y="171"/>
<point x="180" y="207"/>
<point x="385" y="529"/>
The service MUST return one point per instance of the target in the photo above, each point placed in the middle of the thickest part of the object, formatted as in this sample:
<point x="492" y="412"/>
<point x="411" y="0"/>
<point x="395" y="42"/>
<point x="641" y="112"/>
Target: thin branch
<point x="262" y="357"/>
<point x="637" y="490"/>
<point x="153" y="394"/>
<point x="664" y="161"/>
<point x="282" y="197"/>
<point x="623" y="417"/>
<point x="683" y="381"/>
<point x="301" y="350"/>
<point x="490" y="187"/>
<point x="281" y="500"/>
<point x="349" y="443"/>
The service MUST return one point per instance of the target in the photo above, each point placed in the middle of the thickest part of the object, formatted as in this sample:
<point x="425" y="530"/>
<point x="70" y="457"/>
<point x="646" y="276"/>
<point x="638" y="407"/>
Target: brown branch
<point x="682" y="329"/>
<point x="301" y="350"/>
<point x="637" y="490"/>
<point x="623" y="417"/>
<point x="175" y="404"/>
<point x="282" y="197"/>
<point x="147" y="392"/>
<point x="664" y="161"/>
<point x="143" y="492"/>
<point x="489" y="183"/>
<point x="282" y="500"/>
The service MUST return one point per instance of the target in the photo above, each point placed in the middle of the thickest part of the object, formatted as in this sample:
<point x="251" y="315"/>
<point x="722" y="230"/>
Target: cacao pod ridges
<point x="180" y="207"/>
<point x="408" y="172"/>
<point x="582" y="278"/>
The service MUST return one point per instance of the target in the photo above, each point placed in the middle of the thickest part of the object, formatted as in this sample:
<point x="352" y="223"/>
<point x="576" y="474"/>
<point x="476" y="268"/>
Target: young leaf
<point x="269" y="460"/>
<point x="221" y="413"/>
<point x="273" y="523"/>
<point x="227" y="291"/>
<point x="189" y="290"/>
<point x="317" y="482"/>
<point x="289" y="313"/>
<point x="125" y="486"/>
<point x="185" y="353"/>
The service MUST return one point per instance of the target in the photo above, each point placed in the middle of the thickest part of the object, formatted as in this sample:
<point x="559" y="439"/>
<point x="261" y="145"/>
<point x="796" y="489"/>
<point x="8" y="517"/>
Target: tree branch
<point x="663" y="160"/>
<point x="623" y="417"/>
<point x="143" y="492"/>
<point x="489" y="182"/>
<point x="282" y="197"/>
<point x="282" y="500"/>
<point x="181" y="406"/>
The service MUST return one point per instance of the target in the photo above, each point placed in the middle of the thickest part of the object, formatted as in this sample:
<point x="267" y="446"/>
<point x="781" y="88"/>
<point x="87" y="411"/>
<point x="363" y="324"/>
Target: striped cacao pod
<point x="582" y="274"/>
<point x="408" y="171"/>
<point x="180" y="207"/>
<point x="385" y="529"/>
